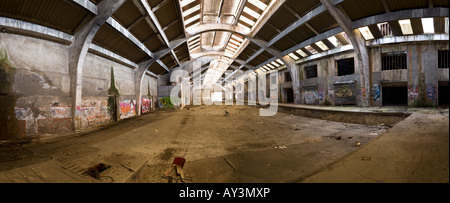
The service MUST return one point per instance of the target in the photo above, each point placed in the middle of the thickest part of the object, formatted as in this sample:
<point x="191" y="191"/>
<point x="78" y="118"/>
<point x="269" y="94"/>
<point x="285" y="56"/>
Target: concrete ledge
<point x="345" y="116"/>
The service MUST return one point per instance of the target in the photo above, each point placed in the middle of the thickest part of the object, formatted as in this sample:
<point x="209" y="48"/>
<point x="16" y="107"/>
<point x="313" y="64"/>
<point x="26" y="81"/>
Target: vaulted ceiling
<point x="141" y="30"/>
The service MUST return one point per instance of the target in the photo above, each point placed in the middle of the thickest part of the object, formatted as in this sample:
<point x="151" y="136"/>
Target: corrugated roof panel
<point x="60" y="15"/>
<point x="114" y="41"/>
<point x="357" y="9"/>
<point x="396" y="5"/>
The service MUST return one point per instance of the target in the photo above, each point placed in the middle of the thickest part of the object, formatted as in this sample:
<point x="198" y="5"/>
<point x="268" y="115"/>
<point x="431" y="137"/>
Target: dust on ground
<point x="221" y="144"/>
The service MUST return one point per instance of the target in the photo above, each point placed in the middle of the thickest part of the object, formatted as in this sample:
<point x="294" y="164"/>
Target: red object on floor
<point x="179" y="161"/>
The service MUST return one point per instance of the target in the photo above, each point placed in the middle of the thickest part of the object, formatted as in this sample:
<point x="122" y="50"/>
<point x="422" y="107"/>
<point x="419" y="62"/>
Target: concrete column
<point x="359" y="44"/>
<point x="294" y="71"/>
<point x="139" y="74"/>
<point x="79" y="48"/>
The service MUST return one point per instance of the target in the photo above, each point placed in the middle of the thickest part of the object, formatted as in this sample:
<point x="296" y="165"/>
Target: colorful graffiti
<point x="92" y="112"/>
<point x="432" y="93"/>
<point x="376" y="92"/>
<point x="345" y="94"/>
<point x="127" y="109"/>
<point x="146" y="105"/>
<point x="321" y="97"/>
<point x="165" y="102"/>
<point x="413" y="93"/>
<point x="311" y="97"/>
<point x="44" y="120"/>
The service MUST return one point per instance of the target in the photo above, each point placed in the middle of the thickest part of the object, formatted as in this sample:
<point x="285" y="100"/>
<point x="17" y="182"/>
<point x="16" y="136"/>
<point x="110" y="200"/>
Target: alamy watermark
<point x="261" y="90"/>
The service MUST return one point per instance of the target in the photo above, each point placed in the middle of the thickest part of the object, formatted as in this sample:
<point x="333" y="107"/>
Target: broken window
<point x="385" y="29"/>
<point x="346" y="66"/>
<point x="288" y="77"/>
<point x="394" y="61"/>
<point x="311" y="71"/>
<point x="443" y="58"/>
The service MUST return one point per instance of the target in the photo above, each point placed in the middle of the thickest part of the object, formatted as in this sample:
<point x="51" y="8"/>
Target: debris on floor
<point x="178" y="165"/>
<point x="95" y="171"/>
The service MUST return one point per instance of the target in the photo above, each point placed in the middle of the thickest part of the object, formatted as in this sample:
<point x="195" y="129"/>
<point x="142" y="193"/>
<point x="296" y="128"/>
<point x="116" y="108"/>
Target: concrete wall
<point x="422" y="73"/>
<point x="41" y="87"/>
<point x="316" y="91"/>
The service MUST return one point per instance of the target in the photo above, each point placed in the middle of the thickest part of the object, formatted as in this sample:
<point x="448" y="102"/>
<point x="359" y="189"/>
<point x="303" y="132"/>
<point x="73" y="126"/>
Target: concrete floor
<point x="240" y="148"/>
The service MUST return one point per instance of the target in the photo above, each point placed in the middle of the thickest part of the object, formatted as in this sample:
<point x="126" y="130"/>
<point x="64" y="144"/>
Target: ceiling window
<point x="311" y="49"/>
<point x="322" y="46"/>
<point x="406" y="27"/>
<point x="365" y="31"/>
<point x="428" y="25"/>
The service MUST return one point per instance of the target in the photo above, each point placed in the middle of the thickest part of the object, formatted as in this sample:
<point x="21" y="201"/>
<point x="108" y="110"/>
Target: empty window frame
<point x="394" y="61"/>
<point x="443" y="58"/>
<point x="346" y="66"/>
<point x="311" y="71"/>
<point x="287" y="77"/>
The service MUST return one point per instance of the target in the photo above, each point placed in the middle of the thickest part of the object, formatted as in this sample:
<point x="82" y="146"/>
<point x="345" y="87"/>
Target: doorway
<point x="443" y="96"/>
<point x="395" y="96"/>
<point x="289" y="95"/>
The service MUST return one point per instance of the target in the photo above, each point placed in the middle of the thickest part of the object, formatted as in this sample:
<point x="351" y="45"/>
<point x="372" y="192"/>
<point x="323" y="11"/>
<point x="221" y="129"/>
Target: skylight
<point x="334" y="41"/>
<point x="302" y="53"/>
<point x="365" y="31"/>
<point x="293" y="56"/>
<point x="406" y="27"/>
<point x="428" y="25"/>
<point x="322" y="45"/>
<point x="311" y="49"/>
<point x="258" y="4"/>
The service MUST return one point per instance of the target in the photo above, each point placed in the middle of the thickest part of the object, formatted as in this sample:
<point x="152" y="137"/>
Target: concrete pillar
<point x="359" y="44"/>
<point x="79" y="48"/>
<point x="294" y="71"/>
<point x="139" y="74"/>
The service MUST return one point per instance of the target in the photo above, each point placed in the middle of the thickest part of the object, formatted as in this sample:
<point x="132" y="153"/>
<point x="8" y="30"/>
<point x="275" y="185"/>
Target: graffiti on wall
<point x="165" y="102"/>
<point x="127" y="109"/>
<point x="321" y="97"/>
<point x="345" y="93"/>
<point x="311" y="95"/>
<point x="92" y="112"/>
<point x="44" y="120"/>
<point x="376" y="92"/>
<point x="432" y="93"/>
<point x="413" y="93"/>
<point x="146" y="105"/>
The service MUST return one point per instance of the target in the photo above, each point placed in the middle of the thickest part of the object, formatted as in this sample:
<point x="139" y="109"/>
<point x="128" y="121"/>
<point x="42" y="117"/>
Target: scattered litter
<point x="157" y="131"/>
<point x="178" y="164"/>
<point x="229" y="163"/>
<point x="358" y="144"/>
<point x="280" y="147"/>
<point x="95" y="171"/>
<point x="366" y="158"/>
<point x="373" y="134"/>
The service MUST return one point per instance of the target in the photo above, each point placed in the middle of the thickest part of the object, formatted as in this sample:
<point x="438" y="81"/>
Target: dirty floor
<point x="220" y="147"/>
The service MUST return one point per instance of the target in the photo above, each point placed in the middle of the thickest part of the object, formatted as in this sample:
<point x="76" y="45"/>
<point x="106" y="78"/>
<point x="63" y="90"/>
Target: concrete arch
<point x="210" y="27"/>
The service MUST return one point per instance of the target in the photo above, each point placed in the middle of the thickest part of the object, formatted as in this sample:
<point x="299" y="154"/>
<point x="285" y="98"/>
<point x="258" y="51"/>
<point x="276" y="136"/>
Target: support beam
<point x="359" y="44"/>
<point x="158" y="27"/>
<point x="79" y="48"/>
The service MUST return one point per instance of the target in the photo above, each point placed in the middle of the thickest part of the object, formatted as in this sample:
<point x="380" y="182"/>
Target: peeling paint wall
<point x="41" y="85"/>
<point x="41" y="97"/>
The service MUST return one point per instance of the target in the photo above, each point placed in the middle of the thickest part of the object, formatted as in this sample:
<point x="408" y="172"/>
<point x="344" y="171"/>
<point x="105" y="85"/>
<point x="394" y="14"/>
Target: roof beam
<point x="158" y="26"/>
<point x="358" y="42"/>
<point x="79" y="48"/>
<point x="88" y="5"/>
